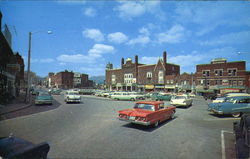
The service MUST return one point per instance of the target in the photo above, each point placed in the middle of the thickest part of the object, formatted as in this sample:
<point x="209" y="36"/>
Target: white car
<point x="219" y="100"/>
<point x="72" y="96"/>
<point x="181" y="100"/>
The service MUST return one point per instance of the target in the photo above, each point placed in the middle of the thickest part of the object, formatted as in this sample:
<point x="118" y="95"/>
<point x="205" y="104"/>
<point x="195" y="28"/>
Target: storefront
<point x="149" y="88"/>
<point x="170" y="88"/>
<point x="159" y="88"/>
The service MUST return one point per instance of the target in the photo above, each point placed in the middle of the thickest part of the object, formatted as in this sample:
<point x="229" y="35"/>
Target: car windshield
<point x="145" y="106"/>
<point x="43" y="94"/>
<point x="230" y="100"/>
<point x="179" y="97"/>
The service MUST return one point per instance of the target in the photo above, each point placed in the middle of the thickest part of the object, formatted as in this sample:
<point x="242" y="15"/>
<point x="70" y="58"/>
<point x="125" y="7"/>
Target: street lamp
<point x="28" y="71"/>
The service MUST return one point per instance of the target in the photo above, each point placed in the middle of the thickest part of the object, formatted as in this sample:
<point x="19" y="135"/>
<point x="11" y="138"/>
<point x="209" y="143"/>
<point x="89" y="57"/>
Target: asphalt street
<point x="91" y="130"/>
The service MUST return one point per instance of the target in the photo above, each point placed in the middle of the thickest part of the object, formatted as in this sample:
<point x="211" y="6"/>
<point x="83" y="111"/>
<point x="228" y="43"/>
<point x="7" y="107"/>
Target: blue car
<point x="235" y="106"/>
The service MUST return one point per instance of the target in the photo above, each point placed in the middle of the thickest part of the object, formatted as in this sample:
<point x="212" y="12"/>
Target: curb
<point x="24" y="107"/>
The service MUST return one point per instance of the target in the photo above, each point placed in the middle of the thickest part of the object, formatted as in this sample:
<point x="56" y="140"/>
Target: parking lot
<point x="91" y="129"/>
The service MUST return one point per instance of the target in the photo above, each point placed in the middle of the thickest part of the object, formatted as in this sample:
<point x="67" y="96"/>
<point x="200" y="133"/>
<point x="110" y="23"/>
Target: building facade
<point x="11" y="67"/>
<point x="133" y="76"/>
<point x="68" y="80"/>
<point x="221" y="76"/>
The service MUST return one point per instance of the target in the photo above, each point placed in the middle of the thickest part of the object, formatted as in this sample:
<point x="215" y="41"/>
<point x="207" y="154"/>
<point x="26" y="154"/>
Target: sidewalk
<point x="17" y="104"/>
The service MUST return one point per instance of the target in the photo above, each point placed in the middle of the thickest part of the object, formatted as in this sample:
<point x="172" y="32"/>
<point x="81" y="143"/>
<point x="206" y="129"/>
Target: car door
<point x="242" y="105"/>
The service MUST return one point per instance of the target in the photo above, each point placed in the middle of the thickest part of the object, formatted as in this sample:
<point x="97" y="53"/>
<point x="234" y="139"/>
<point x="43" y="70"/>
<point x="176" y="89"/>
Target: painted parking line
<point x="216" y="119"/>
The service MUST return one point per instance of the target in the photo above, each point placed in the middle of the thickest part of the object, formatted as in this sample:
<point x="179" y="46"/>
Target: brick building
<point x="63" y="80"/>
<point x="136" y="76"/>
<point x="11" y="67"/>
<point x="184" y="82"/>
<point x="68" y="80"/>
<point x="221" y="76"/>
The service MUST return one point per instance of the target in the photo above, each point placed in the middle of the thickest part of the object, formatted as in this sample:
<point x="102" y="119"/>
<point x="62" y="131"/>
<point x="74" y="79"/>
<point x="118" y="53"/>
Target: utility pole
<point x="28" y="71"/>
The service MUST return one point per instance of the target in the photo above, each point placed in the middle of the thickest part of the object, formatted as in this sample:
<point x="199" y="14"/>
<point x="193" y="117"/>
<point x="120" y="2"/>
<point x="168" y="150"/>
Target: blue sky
<point x="87" y="35"/>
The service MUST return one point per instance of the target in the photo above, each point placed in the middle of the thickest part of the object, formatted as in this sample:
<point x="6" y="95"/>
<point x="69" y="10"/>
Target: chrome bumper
<point x="136" y="121"/>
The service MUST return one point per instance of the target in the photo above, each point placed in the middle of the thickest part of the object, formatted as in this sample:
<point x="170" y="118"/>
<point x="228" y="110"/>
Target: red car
<point x="147" y="113"/>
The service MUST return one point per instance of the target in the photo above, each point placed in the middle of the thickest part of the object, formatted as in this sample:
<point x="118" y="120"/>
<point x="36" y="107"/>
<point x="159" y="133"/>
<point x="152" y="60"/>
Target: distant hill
<point x="98" y="79"/>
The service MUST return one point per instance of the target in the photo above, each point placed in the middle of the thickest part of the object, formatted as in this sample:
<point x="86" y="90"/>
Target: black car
<point x="211" y="96"/>
<point x="242" y="135"/>
<point x="17" y="148"/>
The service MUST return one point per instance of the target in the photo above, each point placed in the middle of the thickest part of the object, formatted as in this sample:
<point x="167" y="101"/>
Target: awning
<point x="149" y="86"/>
<point x="159" y="86"/>
<point x="170" y="86"/>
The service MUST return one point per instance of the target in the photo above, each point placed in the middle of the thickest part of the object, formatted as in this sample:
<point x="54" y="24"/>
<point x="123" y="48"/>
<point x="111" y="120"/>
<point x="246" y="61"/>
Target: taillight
<point x="141" y="118"/>
<point x="122" y="116"/>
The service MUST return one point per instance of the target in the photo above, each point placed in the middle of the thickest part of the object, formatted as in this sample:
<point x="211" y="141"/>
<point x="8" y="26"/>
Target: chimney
<point x="165" y="57"/>
<point x="136" y="59"/>
<point x="165" y="61"/>
<point x="1" y="21"/>
<point x="122" y="62"/>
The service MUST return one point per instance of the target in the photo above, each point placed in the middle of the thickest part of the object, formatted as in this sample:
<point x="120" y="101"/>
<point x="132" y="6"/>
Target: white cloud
<point x="231" y="38"/>
<point x="131" y="9"/>
<point x="37" y="60"/>
<point x="139" y="40"/>
<point x="93" y="55"/>
<point x="76" y="58"/>
<point x="144" y="31"/>
<point x="220" y="14"/>
<point x="117" y="37"/>
<point x="188" y="61"/>
<point x="90" y="12"/>
<point x="99" y="49"/>
<point x="93" y="34"/>
<point x="175" y="34"/>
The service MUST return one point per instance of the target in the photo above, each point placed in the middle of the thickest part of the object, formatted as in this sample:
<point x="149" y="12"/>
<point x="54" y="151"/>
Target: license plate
<point x="132" y="118"/>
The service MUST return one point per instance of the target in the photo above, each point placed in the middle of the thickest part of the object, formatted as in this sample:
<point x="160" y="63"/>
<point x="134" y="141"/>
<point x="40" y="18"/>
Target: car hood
<point x="135" y="112"/>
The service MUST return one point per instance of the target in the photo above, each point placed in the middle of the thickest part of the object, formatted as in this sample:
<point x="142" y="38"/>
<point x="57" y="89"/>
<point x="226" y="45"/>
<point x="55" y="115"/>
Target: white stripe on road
<point x="216" y="119"/>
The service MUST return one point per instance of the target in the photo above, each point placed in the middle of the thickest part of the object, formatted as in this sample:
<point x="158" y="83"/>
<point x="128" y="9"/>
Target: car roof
<point x="150" y="102"/>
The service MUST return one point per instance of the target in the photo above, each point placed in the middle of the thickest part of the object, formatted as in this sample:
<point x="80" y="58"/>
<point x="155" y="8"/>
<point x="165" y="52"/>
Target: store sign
<point x="170" y="86"/>
<point x="149" y="86"/>
<point x="159" y="86"/>
<point x="140" y="86"/>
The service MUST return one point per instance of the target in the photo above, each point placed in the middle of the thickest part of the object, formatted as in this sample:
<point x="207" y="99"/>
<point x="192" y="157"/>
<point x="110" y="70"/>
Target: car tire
<point x="172" y="115"/>
<point x="236" y="115"/>
<point x="156" y="124"/>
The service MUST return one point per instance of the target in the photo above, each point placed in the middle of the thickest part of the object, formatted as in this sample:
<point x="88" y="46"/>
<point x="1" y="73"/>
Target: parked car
<point x="161" y="97"/>
<point x="209" y="95"/>
<point x="43" y="98"/>
<point x="181" y="100"/>
<point x="235" y="106"/>
<point x="219" y="100"/>
<point x="17" y="148"/>
<point x="223" y="98"/>
<point x="242" y="136"/>
<point x="56" y="91"/>
<point x="72" y="96"/>
<point x="126" y="96"/>
<point x="147" y="113"/>
<point x="236" y="94"/>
